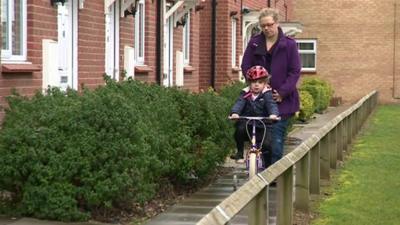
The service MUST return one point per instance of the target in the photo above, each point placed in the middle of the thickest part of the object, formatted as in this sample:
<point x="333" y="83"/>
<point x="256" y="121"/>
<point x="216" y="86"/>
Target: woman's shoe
<point x="240" y="161"/>
<point x="238" y="158"/>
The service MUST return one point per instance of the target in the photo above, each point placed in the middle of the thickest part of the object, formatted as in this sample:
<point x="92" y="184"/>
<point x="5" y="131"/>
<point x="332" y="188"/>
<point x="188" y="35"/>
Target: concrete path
<point x="31" y="221"/>
<point x="193" y="208"/>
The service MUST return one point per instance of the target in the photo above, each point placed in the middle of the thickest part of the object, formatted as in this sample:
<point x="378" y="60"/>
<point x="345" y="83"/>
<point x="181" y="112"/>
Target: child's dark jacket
<point x="263" y="105"/>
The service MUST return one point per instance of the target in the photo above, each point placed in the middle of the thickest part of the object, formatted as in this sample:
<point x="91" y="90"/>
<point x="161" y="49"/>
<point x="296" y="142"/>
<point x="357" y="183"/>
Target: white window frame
<point x="139" y="33"/>
<point x="307" y="52"/>
<point x="6" y="55"/>
<point x="186" y="40"/>
<point x="233" y="41"/>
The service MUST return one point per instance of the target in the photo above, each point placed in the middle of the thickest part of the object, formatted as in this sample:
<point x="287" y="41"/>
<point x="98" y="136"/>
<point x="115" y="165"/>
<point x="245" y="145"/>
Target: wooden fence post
<point x="354" y="123"/>
<point x="302" y="187"/>
<point x="325" y="161"/>
<point x="315" y="172"/>
<point x="349" y="130"/>
<point x="333" y="147"/>
<point x="285" y="198"/>
<point x="339" y="138"/>
<point x="258" y="214"/>
<point x="345" y="134"/>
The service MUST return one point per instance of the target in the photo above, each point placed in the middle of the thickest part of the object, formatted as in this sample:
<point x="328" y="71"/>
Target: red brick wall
<point x="205" y="43"/>
<point x="355" y="45"/>
<point x="91" y="44"/>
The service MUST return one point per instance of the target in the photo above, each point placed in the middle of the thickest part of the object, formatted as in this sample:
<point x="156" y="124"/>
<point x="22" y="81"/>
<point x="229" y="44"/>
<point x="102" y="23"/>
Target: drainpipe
<point x="269" y="3"/>
<point x="213" y="40"/>
<point x="159" y="39"/>
<point x="241" y="18"/>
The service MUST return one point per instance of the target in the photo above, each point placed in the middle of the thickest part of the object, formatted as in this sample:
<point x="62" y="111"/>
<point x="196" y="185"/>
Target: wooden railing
<point x="311" y="160"/>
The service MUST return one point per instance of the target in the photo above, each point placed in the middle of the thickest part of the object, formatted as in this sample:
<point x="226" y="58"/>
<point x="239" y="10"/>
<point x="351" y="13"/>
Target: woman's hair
<point x="274" y="13"/>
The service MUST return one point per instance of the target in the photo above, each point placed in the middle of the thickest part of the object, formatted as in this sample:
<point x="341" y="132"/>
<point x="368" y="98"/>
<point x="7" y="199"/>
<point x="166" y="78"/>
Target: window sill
<point x="309" y="72"/>
<point x="143" y="69"/>
<point x="188" y="69"/>
<point x="236" y="69"/>
<point x="20" y="68"/>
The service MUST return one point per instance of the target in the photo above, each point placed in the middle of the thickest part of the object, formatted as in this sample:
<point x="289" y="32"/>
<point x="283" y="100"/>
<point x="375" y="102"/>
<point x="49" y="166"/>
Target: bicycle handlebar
<point x="259" y="118"/>
<point x="256" y="118"/>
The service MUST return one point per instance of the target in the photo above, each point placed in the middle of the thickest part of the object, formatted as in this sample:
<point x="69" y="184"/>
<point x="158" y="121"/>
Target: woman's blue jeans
<point x="277" y="142"/>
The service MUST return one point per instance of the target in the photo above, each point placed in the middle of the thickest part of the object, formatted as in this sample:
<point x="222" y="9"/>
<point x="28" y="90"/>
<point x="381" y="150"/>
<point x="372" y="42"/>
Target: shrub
<point x="306" y="106"/>
<point x="67" y="154"/>
<point x="320" y="90"/>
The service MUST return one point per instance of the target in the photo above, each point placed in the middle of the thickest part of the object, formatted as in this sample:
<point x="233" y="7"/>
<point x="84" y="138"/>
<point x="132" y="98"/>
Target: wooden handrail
<point x="251" y="190"/>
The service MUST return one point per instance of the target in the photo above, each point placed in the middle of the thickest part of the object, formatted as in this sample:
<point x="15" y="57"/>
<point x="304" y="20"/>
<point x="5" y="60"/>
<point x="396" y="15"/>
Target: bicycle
<point x="254" y="162"/>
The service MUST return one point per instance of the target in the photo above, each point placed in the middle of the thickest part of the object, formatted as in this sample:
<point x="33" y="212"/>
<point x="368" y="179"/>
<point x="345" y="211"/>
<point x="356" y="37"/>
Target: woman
<point x="280" y="56"/>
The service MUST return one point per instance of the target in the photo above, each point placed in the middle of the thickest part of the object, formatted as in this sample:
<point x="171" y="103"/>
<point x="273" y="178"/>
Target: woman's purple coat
<point x="285" y="68"/>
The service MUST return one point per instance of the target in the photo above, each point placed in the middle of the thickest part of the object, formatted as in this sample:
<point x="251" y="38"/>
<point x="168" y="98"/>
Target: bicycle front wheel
<point x="252" y="164"/>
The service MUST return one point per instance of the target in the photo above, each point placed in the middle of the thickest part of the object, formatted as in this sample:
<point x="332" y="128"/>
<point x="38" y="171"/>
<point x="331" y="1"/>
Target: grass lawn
<point x="367" y="189"/>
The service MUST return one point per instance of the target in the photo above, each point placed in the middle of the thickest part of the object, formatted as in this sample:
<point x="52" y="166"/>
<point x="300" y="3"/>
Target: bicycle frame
<point x="253" y="157"/>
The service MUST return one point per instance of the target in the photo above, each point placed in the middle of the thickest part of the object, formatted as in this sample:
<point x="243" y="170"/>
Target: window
<point x="186" y="39"/>
<point x="308" y="54"/>
<point x="13" y="23"/>
<point x="139" y="33"/>
<point x="233" y="39"/>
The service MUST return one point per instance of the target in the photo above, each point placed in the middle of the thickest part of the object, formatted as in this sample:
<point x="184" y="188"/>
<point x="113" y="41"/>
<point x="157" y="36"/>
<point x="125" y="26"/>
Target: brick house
<point x="195" y="44"/>
<point x="355" y="45"/>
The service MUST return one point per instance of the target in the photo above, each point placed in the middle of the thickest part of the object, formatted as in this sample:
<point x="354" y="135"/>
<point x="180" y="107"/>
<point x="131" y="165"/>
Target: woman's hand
<point x="276" y="96"/>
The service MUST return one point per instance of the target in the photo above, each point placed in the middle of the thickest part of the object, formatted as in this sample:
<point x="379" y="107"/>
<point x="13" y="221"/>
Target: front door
<point x="168" y="52"/>
<point x="66" y="44"/>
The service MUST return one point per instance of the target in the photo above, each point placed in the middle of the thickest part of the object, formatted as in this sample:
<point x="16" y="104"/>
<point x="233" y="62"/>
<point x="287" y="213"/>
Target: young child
<point x="255" y="100"/>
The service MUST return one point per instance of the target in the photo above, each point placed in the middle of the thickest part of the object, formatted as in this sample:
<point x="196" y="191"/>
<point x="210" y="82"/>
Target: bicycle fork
<point x="253" y="162"/>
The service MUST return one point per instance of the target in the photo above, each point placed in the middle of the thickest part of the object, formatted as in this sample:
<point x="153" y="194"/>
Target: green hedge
<point x="306" y="106"/>
<point x="64" y="155"/>
<point x="320" y="90"/>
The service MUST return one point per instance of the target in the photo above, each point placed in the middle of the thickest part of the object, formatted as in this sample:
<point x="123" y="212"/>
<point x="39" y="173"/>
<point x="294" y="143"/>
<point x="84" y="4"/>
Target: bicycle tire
<point x="253" y="168"/>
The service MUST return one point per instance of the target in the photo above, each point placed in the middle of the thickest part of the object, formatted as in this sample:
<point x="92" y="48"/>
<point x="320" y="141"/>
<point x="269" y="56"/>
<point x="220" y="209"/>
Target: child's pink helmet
<point x="256" y="72"/>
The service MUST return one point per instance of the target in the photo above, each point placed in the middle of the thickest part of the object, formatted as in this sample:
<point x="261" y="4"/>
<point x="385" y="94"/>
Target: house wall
<point x="224" y="73"/>
<point x="357" y="45"/>
<point x="42" y="24"/>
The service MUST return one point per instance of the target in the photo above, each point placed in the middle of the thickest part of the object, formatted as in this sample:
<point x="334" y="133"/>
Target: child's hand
<point x="274" y="117"/>
<point x="233" y="116"/>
